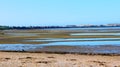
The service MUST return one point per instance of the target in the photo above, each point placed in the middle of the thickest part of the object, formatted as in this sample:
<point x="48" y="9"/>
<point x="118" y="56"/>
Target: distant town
<point x="67" y="26"/>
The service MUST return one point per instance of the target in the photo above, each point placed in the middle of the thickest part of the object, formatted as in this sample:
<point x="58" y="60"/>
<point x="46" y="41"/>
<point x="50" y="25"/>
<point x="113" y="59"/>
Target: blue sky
<point x="58" y="12"/>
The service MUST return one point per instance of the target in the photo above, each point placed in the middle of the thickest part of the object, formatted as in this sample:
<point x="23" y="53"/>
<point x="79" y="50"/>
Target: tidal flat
<point x="81" y="40"/>
<point x="69" y="47"/>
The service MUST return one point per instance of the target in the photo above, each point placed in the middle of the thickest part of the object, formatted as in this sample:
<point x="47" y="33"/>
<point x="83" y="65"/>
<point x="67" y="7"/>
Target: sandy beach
<point x="19" y="59"/>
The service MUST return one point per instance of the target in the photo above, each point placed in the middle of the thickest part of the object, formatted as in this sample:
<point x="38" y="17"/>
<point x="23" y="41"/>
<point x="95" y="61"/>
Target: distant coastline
<point x="49" y="27"/>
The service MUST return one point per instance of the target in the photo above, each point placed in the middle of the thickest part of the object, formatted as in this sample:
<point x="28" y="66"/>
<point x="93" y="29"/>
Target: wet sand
<point x="86" y="50"/>
<point x="19" y="59"/>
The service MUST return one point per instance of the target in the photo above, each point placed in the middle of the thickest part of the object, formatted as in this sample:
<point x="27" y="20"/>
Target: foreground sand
<point x="15" y="59"/>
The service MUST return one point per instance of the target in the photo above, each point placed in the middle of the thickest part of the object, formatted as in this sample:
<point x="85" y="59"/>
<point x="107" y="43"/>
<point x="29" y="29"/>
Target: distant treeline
<point x="47" y="27"/>
<point x="29" y="27"/>
<point x="4" y="27"/>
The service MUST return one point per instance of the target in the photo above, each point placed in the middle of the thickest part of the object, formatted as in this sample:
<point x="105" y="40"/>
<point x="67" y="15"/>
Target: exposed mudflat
<point x="104" y="40"/>
<point x="66" y="47"/>
<point x="86" y="49"/>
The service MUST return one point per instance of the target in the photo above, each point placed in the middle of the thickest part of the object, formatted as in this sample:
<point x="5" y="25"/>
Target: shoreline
<point x="84" y="50"/>
<point x="72" y="53"/>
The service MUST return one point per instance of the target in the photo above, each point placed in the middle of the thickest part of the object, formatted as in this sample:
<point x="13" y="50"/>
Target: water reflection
<point x="93" y="43"/>
<point x="81" y="47"/>
<point x="18" y="47"/>
<point x="72" y="39"/>
<point x="117" y="34"/>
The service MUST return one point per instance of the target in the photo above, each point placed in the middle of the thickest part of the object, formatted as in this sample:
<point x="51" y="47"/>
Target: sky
<point x="58" y="12"/>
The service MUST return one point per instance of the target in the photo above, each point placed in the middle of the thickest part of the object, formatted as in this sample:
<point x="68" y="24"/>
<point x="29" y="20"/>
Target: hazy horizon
<point x="58" y="12"/>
